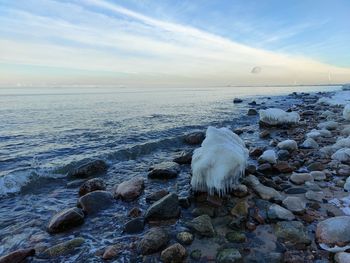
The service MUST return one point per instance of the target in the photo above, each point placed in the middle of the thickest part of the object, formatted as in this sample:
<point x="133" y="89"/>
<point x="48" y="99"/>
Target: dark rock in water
<point x="295" y="190"/>
<point x="165" y="170"/>
<point x="196" y="254"/>
<point x="283" y="155"/>
<point x="256" y="152"/>
<point x="65" y="220"/>
<point x="130" y="190"/>
<point x="153" y="241"/>
<point x="155" y="196"/>
<point x="237" y="100"/>
<point x="174" y="253"/>
<point x="283" y="167"/>
<point x="185" y="238"/>
<point x="228" y="255"/>
<point x="134" y="225"/>
<point x="92" y="185"/>
<point x="17" y="256"/>
<point x="250" y="169"/>
<point x="165" y="208"/>
<point x="292" y="231"/>
<point x="95" y="201"/>
<point x="264" y="134"/>
<point x="112" y="252"/>
<point x="202" y="225"/>
<point x="252" y="103"/>
<point x="63" y="248"/>
<point x="135" y="212"/>
<point x="235" y="237"/>
<point x="184" y="202"/>
<point x="184" y="158"/>
<point x="88" y="169"/>
<point x="252" y="112"/>
<point x="265" y="167"/>
<point x="204" y="210"/>
<point x="194" y="138"/>
<point x="315" y="166"/>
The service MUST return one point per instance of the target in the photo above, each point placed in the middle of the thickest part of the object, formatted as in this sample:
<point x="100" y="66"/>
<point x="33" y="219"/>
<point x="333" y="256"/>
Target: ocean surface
<point x="45" y="132"/>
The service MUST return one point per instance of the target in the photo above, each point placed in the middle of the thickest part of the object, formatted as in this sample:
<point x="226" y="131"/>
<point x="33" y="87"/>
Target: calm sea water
<point x="43" y="130"/>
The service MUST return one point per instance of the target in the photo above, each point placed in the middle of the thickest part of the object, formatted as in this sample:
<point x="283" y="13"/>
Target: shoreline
<point x="238" y="226"/>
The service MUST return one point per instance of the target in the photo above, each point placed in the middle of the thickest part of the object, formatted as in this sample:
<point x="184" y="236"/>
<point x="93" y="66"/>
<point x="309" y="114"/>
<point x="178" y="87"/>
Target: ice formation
<point x="219" y="163"/>
<point x="274" y="116"/>
<point x="269" y="156"/>
<point x="315" y="134"/>
<point x="346" y="112"/>
<point x="342" y="155"/>
<point x="289" y="145"/>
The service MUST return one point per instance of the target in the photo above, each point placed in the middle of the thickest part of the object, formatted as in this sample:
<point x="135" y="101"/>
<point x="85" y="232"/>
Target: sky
<point x="174" y="43"/>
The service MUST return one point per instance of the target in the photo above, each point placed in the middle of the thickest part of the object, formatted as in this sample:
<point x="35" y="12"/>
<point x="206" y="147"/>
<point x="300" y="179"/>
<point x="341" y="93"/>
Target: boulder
<point x="174" y="253"/>
<point x="194" y="138"/>
<point x="95" y="201"/>
<point x="165" y="208"/>
<point x="184" y="158"/>
<point x="17" y="256"/>
<point x="252" y="112"/>
<point x="88" y="169"/>
<point x="130" y="190"/>
<point x="65" y="220"/>
<point x="164" y="170"/>
<point x="92" y="185"/>
<point x="202" y="225"/>
<point x="153" y="241"/>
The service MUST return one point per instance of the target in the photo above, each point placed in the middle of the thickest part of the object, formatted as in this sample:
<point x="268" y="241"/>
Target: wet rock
<point x="294" y="204"/>
<point x="17" y="256"/>
<point x="112" y="252"/>
<point x="240" y="209"/>
<point x="235" y="237"/>
<point x="289" y="145"/>
<point x="165" y="208"/>
<point x="342" y="257"/>
<point x="255" y="152"/>
<point x="237" y="100"/>
<point x="184" y="238"/>
<point x="63" y="248"/>
<point x="135" y="225"/>
<point x="283" y="167"/>
<point x="318" y="175"/>
<point x="155" y="196"/>
<point x="264" y="134"/>
<point x="314" y="196"/>
<point x="315" y="166"/>
<point x="130" y="190"/>
<point x="204" y="210"/>
<point x="153" y="241"/>
<point x="328" y="125"/>
<point x="202" y="225"/>
<point x="240" y="190"/>
<point x="295" y="190"/>
<point x="214" y="200"/>
<point x="88" y="169"/>
<point x="95" y="201"/>
<point x="292" y="232"/>
<point x="280" y="213"/>
<point x="65" y="220"/>
<point x="252" y="112"/>
<point x="309" y="143"/>
<point x="263" y="257"/>
<point x="334" y="231"/>
<point x="301" y="178"/>
<point x="164" y="170"/>
<point x="184" y="158"/>
<point x="92" y="185"/>
<point x="176" y="253"/>
<point x="228" y="255"/>
<point x="184" y="202"/>
<point x="196" y="254"/>
<point x="265" y="167"/>
<point x="135" y="212"/>
<point x="283" y="155"/>
<point x="263" y="191"/>
<point x="194" y="138"/>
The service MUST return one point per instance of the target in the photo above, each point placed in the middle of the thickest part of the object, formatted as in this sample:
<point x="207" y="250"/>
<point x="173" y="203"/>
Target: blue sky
<point x="143" y="42"/>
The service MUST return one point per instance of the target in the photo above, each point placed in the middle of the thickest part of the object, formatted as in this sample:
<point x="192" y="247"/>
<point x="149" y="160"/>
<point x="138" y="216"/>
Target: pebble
<point x="278" y="212"/>
<point x="164" y="170"/>
<point x="174" y="253"/>
<point x="130" y="190"/>
<point x="294" y="204"/>
<point x="153" y="241"/>
<point x="184" y="238"/>
<point x="202" y="225"/>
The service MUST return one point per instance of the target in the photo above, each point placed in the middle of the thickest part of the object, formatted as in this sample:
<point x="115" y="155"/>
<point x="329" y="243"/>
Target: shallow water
<point x="45" y="131"/>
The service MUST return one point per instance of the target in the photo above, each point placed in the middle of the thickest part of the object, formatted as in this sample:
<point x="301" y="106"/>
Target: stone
<point x="130" y="190"/>
<point x="65" y="220"/>
<point x="240" y="209"/>
<point x="92" y="185"/>
<point x="184" y="238"/>
<point x="342" y="257"/>
<point x="204" y="210"/>
<point x="283" y="155"/>
<point x="164" y="170"/>
<point x="194" y="138"/>
<point x="265" y="167"/>
<point x="63" y="248"/>
<point x="283" y="167"/>
<point x="228" y="255"/>
<point x="88" y="169"/>
<point x="263" y="191"/>
<point x="135" y="212"/>
<point x="264" y="134"/>
<point x="237" y="100"/>
<point x="301" y="178"/>
<point x="280" y="213"/>
<point x="309" y="143"/>
<point x="235" y="237"/>
<point x="294" y="204"/>
<point x="111" y="252"/>
<point x="184" y="158"/>
<point x="256" y="152"/>
<point x="292" y="232"/>
<point x="252" y="112"/>
<point x="17" y="256"/>
<point x="153" y="241"/>
<point x="155" y="196"/>
<point x="318" y="175"/>
<point x="295" y="190"/>
<point x="315" y="166"/>
<point x="184" y="202"/>
<point x="289" y="145"/>
<point x="202" y="225"/>
<point x="314" y="196"/>
<point x="176" y="253"/>
<point x="134" y="225"/>
<point x="196" y="254"/>
<point x="240" y="190"/>
<point x="95" y="201"/>
<point x="165" y="208"/>
<point x="334" y="231"/>
<point x="328" y="125"/>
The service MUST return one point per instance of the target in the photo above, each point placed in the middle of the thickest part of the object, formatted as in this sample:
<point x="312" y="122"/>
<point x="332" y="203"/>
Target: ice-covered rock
<point x="219" y="163"/>
<point x="309" y="143"/>
<point x="342" y="143"/>
<point x="274" y="116"/>
<point x="347" y="184"/>
<point x="328" y="125"/>
<point x="289" y="145"/>
<point x="268" y="156"/>
<point x="315" y="134"/>
<point x="346" y="112"/>
<point x="342" y="155"/>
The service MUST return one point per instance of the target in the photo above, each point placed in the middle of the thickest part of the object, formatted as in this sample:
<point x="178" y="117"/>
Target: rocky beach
<point x="291" y="205"/>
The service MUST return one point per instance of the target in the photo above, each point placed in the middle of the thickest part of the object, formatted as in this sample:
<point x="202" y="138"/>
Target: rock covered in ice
<point x="309" y="143"/>
<point x="347" y="184"/>
<point x="315" y="134"/>
<point x="342" y="155"/>
<point x="274" y="116"/>
<point x="268" y="156"/>
<point x="342" y="143"/>
<point x="346" y="112"/>
<point x="289" y="145"/>
<point x="219" y="163"/>
<point x="328" y="125"/>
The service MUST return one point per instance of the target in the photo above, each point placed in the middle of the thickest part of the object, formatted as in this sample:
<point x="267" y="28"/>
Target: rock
<point x="264" y="134"/>
<point x="95" y="201"/>
<point x="202" y="225"/>
<point x="295" y="190"/>
<point x="342" y="257"/>
<point x="314" y="196"/>
<point x="294" y="204"/>
<point x="88" y="169"/>
<point x="263" y="191"/>
<point x="278" y="212"/>
<point x="318" y="175"/>
<point x="184" y="238"/>
<point x="240" y="209"/>
<point x="328" y="125"/>
<point x="237" y="100"/>
<point x="204" y="210"/>
<point x="184" y="202"/>
<point x="194" y="138"/>
<point x="130" y="190"/>
<point x="135" y="225"/>
<point x="309" y="143"/>
<point x="315" y="166"/>
<point x="155" y="196"/>
<point x="196" y="254"/>
<point x="334" y="231"/>
<point x="240" y="190"/>
<point x="135" y="212"/>
<point x="283" y="155"/>
<point x="347" y="184"/>
<point x="283" y="167"/>
<point x="153" y="241"/>
<point x="112" y="252"/>
<point x="164" y="170"/>
<point x="255" y="152"/>
<point x="176" y="253"/>
<point x="292" y="231"/>
<point x="235" y="237"/>
<point x="228" y="255"/>
<point x="65" y="220"/>
<point x="17" y="256"/>
<point x="265" y="167"/>
<point x="289" y="145"/>
<point x="184" y="158"/>
<point x="63" y="248"/>
<point x="165" y="208"/>
<point x="252" y="112"/>
<point x="301" y="178"/>
<point x="268" y="156"/>
<point x="92" y="185"/>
